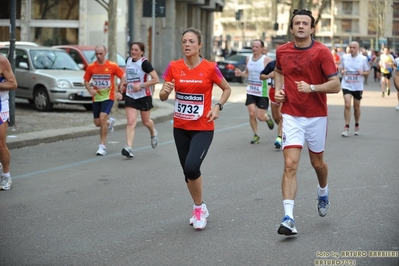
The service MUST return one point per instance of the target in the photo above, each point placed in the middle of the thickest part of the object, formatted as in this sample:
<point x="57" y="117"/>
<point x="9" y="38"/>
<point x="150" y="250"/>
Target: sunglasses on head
<point x="302" y="11"/>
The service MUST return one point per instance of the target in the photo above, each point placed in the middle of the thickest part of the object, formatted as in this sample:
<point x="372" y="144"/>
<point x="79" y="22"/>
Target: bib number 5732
<point x="187" y="109"/>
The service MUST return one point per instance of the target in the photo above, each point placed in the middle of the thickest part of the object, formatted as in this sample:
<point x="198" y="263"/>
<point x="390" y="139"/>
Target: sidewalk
<point x="162" y="112"/>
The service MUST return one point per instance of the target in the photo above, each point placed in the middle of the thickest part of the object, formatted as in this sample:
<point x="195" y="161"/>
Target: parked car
<point x="228" y="66"/>
<point x="84" y="55"/>
<point x="19" y="43"/>
<point x="47" y="76"/>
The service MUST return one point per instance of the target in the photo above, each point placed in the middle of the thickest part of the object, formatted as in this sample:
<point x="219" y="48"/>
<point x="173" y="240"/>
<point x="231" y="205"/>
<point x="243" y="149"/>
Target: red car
<point x="84" y="55"/>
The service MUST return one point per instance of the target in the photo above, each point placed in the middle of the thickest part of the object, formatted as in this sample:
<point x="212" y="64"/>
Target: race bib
<point x="352" y="76"/>
<point x="102" y="81"/>
<point x="189" y="106"/>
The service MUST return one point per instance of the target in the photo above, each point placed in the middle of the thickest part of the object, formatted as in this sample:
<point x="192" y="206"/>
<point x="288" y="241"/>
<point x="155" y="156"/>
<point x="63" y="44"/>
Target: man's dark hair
<point x="303" y="12"/>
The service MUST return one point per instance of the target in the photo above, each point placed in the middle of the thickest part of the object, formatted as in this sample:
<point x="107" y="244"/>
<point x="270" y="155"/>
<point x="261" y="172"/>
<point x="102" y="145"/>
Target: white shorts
<point x="297" y="130"/>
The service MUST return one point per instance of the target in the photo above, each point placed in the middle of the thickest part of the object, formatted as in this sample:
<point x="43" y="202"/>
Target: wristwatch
<point x="220" y="106"/>
<point x="142" y="85"/>
<point x="312" y="88"/>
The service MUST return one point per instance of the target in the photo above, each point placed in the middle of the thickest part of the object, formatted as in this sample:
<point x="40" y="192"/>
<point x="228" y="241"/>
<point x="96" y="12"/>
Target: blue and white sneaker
<point x="287" y="227"/>
<point x="323" y="205"/>
<point x="111" y="122"/>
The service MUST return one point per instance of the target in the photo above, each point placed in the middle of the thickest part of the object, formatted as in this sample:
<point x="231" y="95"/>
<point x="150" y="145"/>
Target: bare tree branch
<point x="103" y="3"/>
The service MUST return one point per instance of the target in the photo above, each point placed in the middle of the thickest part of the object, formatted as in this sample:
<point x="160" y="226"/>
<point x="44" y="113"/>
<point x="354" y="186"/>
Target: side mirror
<point x="23" y="65"/>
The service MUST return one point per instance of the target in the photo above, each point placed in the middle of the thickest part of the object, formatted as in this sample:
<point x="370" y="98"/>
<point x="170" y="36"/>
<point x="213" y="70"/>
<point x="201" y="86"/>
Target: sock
<point x="347" y="126"/>
<point x="6" y="174"/>
<point x="198" y="206"/>
<point x="322" y="191"/>
<point x="289" y="208"/>
<point x="356" y="124"/>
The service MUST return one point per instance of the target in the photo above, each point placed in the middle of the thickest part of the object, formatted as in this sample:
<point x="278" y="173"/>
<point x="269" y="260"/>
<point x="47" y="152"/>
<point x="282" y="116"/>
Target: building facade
<point x="373" y="23"/>
<point x="83" y="22"/>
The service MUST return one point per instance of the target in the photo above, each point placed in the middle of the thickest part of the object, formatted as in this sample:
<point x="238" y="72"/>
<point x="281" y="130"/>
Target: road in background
<point x="70" y="207"/>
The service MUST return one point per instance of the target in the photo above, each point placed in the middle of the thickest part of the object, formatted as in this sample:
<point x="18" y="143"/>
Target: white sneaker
<point x="101" y="150"/>
<point x="5" y="183"/>
<point x="200" y="213"/>
<point x="397" y="108"/>
<point x="346" y="132"/>
<point x="154" y="139"/>
<point x="127" y="151"/>
<point x="111" y="122"/>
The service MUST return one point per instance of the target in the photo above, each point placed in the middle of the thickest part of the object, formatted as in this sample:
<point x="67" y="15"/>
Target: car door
<point x="21" y="73"/>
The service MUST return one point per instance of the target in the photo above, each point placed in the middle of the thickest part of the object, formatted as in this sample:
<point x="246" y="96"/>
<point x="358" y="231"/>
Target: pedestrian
<point x="257" y="100"/>
<point x="267" y="74"/>
<point x="192" y="79"/>
<point x="7" y="82"/>
<point x="386" y="68"/>
<point x="354" y="69"/>
<point x="307" y="71"/>
<point x="141" y="79"/>
<point x="396" y="80"/>
<point x="99" y="81"/>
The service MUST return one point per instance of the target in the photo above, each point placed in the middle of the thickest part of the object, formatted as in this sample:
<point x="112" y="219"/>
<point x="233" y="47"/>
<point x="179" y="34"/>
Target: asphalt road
<point x="70" y="207"/>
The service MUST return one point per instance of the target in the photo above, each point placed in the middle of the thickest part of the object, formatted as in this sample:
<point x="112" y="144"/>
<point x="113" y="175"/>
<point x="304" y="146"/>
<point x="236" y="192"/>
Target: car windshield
<point x="91" y="57"/>
<point x="52" y="59"/>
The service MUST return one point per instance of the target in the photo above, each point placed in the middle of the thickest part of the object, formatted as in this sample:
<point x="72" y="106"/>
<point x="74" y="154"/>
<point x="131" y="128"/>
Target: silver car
<point x="47" y="76"/>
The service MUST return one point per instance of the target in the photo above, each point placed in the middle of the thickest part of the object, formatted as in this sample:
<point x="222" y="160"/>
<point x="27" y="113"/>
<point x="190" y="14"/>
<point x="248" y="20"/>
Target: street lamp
<point x="394" y="29"/>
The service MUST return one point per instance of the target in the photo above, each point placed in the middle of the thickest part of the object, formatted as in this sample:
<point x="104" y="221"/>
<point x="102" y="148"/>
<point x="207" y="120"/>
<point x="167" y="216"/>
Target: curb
<point x="164" y="112"/>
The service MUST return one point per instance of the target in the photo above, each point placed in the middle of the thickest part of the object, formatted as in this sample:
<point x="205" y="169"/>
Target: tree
<point x="111" y="7"/>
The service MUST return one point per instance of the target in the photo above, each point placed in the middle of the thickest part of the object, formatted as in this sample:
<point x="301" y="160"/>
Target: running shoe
<point x="101" y="150"/>
<point x="198" y="221"/>
<point x="127" y="151"/>
<point x="154" y="139"/>
<point x="277" y="143"/>
<point x="346" y="132"/>
<point x="388" y="91"/>
<point x="111" y="122"/>
<point x="255" y="140"/>
<point x="383" y="94"/>
<point x="270" y="123"/>
<point x="323" y="205"/>
<point x="287" y="227"/>
<point x="357" y="131"/>
<point x="397" y="108"/>
<point x="5" y="183"/>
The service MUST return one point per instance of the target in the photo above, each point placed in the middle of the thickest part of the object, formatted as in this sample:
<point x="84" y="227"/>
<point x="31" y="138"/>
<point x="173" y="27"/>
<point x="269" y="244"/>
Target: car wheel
<point x="42" y="100"/>
<point x="88" y="107"/>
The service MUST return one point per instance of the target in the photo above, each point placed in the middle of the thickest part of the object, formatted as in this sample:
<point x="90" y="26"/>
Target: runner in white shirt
<point x="354" y="67"/>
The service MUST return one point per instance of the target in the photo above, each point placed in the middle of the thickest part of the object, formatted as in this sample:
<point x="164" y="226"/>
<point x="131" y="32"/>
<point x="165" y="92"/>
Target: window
<point x="325" y="25"/>
<point x="346" y="25"/>
<point x="5" y="9"/>
<point x="54" y="9"/>
<point x="54" y="36"/>
<point x="347" y="8"/>
<point x="76" y="56"/>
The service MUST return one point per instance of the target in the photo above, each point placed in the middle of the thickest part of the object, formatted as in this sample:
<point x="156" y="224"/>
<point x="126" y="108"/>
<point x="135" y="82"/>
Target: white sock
<point x="6" y="174"/>
<point x="322" y="191"/>
<point x="289" y="208"/>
